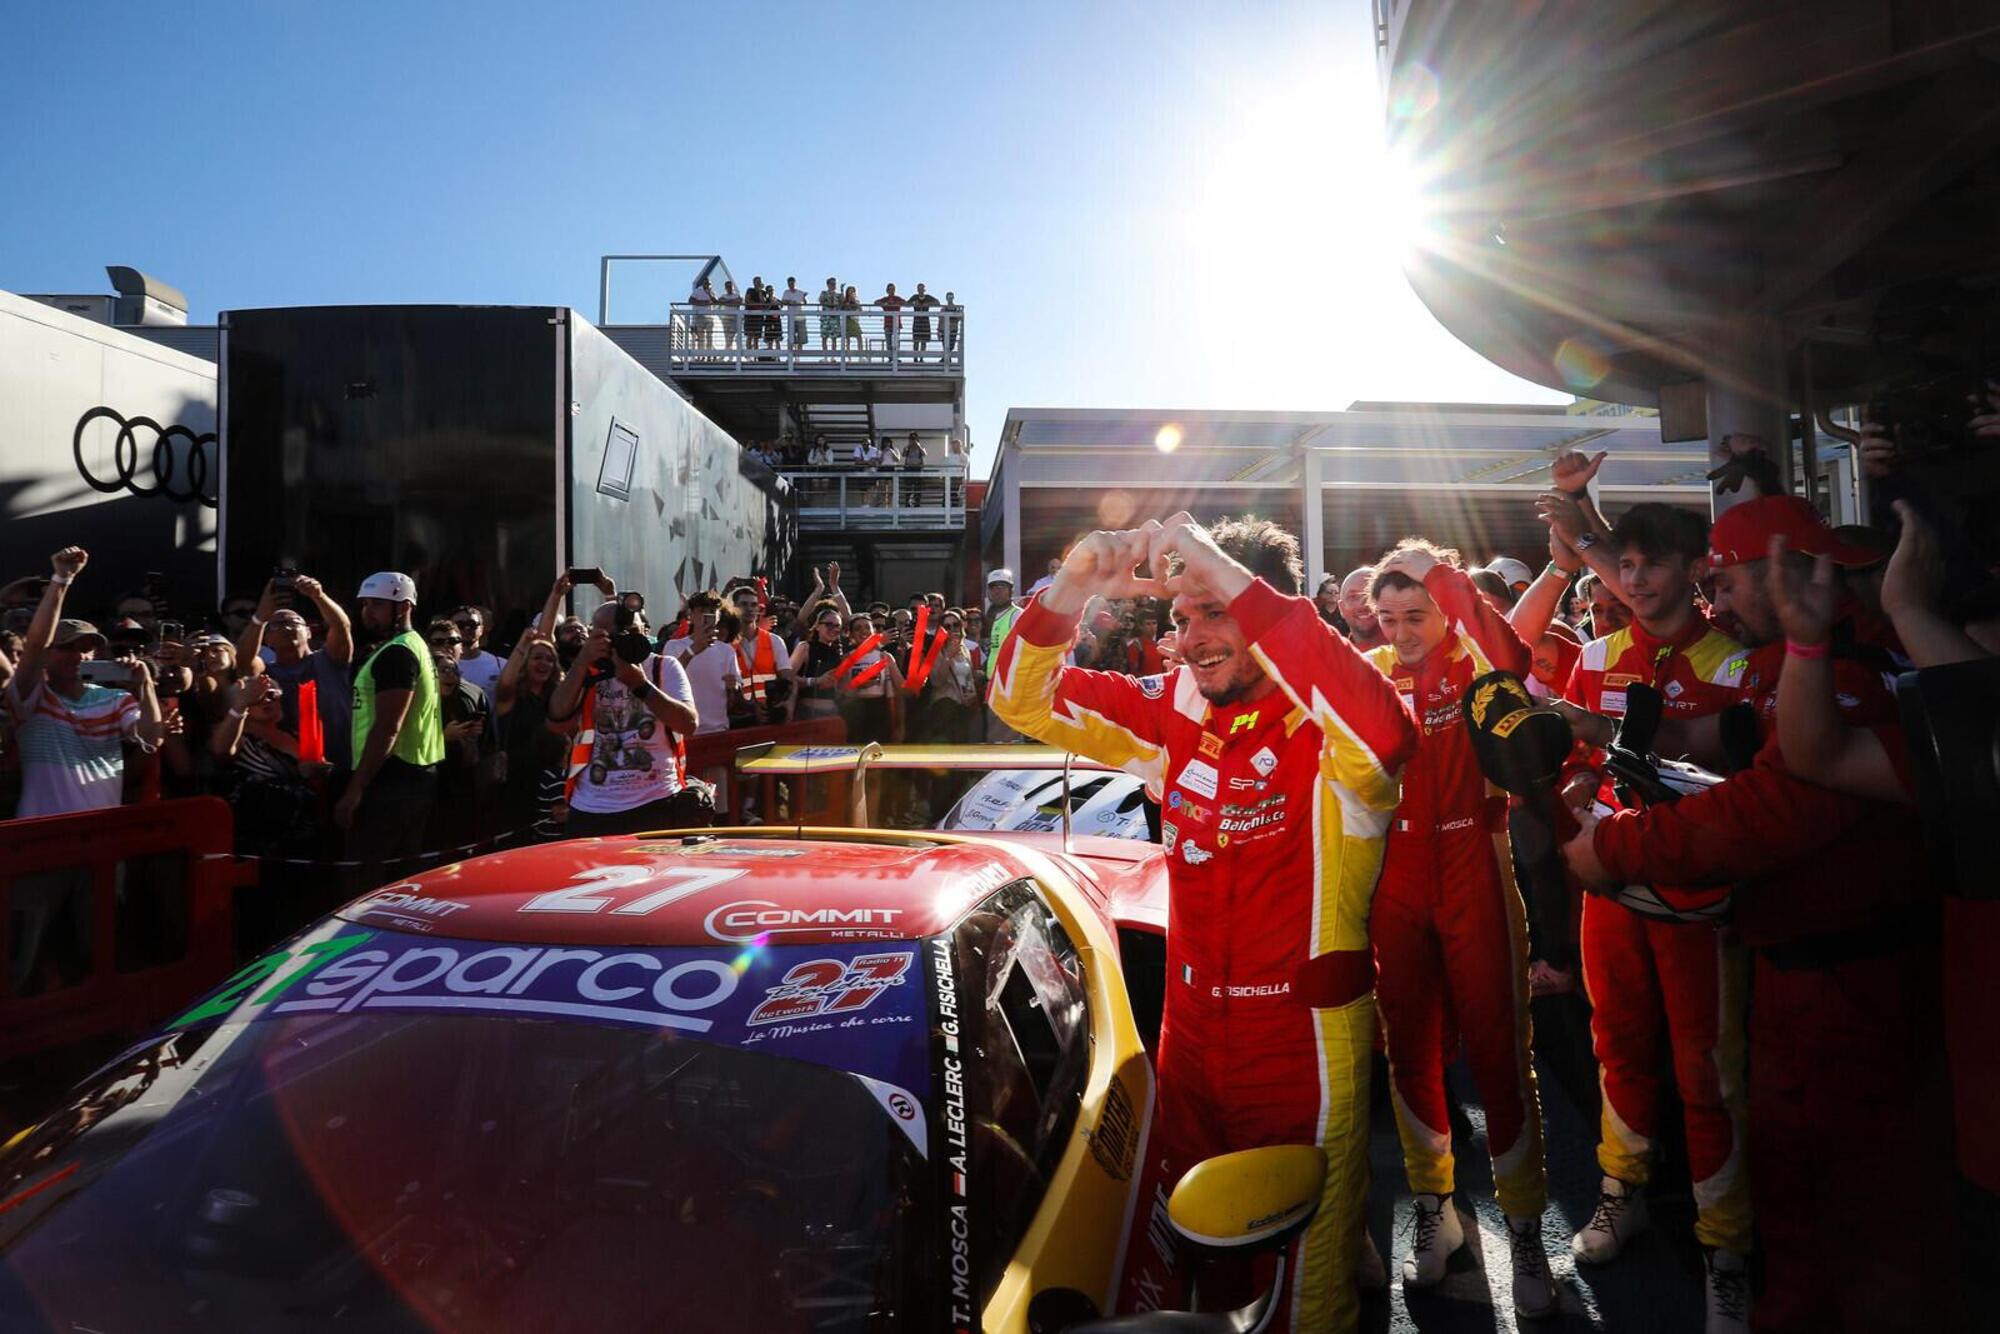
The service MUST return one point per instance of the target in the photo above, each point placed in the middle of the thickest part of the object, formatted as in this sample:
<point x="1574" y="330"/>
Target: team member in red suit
<point x="1275" y="750"/>
<point x="1449" y="928"/>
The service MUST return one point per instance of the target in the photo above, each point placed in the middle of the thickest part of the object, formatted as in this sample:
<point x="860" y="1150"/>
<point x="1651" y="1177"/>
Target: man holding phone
<point x="277" y="641"/>
<point x="71" y="731"/>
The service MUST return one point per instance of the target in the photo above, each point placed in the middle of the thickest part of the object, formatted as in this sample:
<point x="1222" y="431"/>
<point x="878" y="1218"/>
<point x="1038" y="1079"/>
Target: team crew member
<point x="1648" y="978"/>
<point x="1850" y="1131"/>
<point x="1275" y="749"/>
<point x="761" y="658"/>
<point x="1449" y="929"/>
<point x="398" y="730"/>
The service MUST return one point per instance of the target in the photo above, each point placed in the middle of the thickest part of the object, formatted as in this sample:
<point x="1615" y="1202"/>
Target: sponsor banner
<point x="855" y="1007"/>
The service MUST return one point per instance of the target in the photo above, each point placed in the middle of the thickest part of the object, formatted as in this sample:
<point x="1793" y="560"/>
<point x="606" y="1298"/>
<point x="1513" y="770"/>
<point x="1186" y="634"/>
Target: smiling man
<point x="1275" y="750"/>
<point x="1648" y="979"/>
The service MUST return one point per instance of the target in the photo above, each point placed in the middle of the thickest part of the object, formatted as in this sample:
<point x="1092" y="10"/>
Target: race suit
<point x="1450" y="931"/>
<point x="1274" y="815"/>
<point x="1850" y="1127"/>
<point x="1646" y="977"/>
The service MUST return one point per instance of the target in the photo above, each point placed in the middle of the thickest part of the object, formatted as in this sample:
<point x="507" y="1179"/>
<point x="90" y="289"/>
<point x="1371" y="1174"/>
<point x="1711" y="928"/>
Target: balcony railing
<point x="719" y="340"/>
<point x="915" y="498"/>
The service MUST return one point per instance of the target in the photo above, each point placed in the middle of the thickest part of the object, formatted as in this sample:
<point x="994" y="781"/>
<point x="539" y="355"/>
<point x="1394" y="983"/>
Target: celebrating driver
<point x="1275" y="749"/>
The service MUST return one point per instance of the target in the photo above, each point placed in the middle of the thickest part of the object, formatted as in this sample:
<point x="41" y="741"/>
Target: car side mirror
<point x="1245" y="1203"/>
<point x="1251" y="1201"/>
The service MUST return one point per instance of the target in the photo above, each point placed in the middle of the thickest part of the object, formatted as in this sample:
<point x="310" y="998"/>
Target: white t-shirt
<point x="714" y="675"/>
<point x="482" y="669"/>
<point x="72" y="756"/>
<point x="632" y="760"/>
<point x="793" y="297"/>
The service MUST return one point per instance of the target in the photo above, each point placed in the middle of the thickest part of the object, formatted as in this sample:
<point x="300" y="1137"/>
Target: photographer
<point x="70" y="731"/>
<point x="625" y="710"/>
<point x="261" y="774"/>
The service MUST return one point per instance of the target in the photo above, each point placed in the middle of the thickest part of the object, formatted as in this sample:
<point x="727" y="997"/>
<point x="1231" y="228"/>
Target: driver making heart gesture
<point x="1275" y="749"/>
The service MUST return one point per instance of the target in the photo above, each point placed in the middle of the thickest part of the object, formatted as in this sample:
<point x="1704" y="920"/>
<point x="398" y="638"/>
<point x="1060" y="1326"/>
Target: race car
<point x="834" y="1080"/>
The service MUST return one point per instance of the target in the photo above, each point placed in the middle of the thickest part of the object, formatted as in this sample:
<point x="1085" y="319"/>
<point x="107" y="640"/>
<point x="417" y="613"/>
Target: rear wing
<point x="855" y="761"/>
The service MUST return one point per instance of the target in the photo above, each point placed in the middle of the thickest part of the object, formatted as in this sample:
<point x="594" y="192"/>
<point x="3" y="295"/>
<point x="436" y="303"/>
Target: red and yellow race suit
<point x="1450" y="930"/>
<point x="1684" y="981"/>
<point x="1274" y="815"/>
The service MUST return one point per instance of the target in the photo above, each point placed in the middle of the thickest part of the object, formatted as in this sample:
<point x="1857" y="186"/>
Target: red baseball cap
<point x="1744" y="531"/>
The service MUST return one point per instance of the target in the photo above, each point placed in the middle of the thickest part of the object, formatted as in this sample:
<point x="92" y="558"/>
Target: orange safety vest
<point x="586" y="742"/>
<point x="758" y="669"/>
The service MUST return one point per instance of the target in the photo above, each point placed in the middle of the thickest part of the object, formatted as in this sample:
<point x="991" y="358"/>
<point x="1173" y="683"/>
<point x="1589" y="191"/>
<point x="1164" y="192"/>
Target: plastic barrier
<point x="717" y="751"/>
<point x="111" y="919"/>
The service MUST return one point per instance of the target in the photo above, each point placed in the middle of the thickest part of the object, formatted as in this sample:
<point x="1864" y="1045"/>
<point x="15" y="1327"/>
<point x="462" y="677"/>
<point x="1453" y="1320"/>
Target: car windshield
<point x="448" y="1169"/>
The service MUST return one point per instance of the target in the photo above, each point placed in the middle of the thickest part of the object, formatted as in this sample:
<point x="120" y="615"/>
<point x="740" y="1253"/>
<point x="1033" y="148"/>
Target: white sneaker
<point x="1435" y="1234"/>
<point x="1620" y="1216"/>
<point x="1370" y="1274"/>
<point x="1534" y="1286"/>
<point x="1728" y="1293"/>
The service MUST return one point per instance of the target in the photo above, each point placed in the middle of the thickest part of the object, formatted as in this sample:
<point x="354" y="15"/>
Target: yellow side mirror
<point x="1250" y="1198"/>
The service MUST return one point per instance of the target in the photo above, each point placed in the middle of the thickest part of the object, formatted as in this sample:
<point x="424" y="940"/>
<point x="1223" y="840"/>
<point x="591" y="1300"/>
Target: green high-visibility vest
<point x="421" y="740"/>
<point x="996" y="634"/>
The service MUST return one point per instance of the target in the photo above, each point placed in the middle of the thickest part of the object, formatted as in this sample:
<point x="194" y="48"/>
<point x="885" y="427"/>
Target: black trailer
<point x="481" y="449"/>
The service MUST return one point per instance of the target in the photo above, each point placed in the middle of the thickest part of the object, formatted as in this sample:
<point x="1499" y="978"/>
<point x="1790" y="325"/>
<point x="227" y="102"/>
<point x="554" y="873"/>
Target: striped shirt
<point x="72" y="757"/>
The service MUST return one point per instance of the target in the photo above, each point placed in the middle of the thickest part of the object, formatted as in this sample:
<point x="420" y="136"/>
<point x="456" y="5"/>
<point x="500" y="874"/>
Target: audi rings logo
<point x="180" y="467"/>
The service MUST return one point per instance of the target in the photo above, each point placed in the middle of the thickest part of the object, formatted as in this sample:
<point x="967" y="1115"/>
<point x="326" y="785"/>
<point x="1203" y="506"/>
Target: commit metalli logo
<point x="959" y="1206"/>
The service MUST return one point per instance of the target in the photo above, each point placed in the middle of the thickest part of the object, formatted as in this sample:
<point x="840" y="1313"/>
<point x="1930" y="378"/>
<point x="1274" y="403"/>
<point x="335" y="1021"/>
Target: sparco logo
<point x="179" y="466"/>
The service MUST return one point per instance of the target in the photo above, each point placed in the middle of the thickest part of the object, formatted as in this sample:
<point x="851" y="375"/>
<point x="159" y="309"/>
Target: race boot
<point x="1534" y="1286"/>
<point x="1435" y="1234"/>
<point x="1728" y="1293"/>
<point x="1370" y="1274"/>
<point x="1620" y="1216"/>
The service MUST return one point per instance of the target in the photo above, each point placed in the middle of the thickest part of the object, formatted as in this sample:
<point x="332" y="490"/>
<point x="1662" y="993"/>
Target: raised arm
<point x="339" y="645"/>
<point x="66" y="564"/>
<point x="1537" y="607"/>
<point x="1817" y="743"/>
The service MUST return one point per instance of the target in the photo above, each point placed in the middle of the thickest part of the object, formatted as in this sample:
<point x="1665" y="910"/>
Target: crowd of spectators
<point x="351" y="728"/>
<point x="764" y="320"/>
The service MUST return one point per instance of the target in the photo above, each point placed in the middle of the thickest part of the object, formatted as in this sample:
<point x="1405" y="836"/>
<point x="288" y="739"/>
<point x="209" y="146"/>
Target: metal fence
<point x="925" y="498"/>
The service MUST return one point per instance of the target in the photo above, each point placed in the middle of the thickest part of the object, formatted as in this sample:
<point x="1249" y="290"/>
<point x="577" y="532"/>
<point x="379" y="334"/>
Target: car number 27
<point x="600" y="886"/>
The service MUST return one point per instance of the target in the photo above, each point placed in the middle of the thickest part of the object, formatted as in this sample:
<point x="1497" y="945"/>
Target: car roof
<point x="699" y="890"/>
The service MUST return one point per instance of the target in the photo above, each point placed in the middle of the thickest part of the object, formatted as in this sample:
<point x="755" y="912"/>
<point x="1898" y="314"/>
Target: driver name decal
<point x="958" y="1207"/>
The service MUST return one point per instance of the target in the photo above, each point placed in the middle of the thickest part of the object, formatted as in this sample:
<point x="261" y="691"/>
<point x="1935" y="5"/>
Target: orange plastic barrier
<point x="112" y="920"/>
<point x="820" y="801"/>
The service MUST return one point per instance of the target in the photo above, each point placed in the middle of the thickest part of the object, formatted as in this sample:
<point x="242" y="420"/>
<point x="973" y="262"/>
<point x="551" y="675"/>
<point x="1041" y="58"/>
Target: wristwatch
<point x="1585" y="541"/>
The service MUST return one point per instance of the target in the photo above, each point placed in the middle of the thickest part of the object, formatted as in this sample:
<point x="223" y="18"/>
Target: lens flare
<point x="1169" y="439"/>
<point x="741" y="963"/>
<point x="1580" y="364"/>
<point x="1115" y="509"/>
<point x="1413" y="93"/>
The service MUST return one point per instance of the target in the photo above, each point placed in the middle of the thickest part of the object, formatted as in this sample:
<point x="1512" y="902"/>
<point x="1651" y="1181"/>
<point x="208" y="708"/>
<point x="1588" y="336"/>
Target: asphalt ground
<point x="1655" y="1287"/>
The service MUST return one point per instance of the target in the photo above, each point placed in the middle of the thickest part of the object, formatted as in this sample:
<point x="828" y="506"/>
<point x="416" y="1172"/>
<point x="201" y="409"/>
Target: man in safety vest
<point x="761" y="657"/>
<point x="398" y="733"/>
<point x="1000" y="614"/>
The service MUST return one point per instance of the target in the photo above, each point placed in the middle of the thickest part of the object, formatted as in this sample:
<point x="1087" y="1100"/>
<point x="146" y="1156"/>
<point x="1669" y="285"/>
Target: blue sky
<point x="1094" y="181"/>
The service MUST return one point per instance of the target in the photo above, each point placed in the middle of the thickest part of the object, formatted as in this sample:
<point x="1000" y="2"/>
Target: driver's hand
<point x="1573" y="470"/>
<point x="1804" y="603"/>
<point x="1580" y="855"/>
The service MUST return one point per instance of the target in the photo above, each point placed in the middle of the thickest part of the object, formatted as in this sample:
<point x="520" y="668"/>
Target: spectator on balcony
<point x="892" y="323"/>
<point x="949" y="317"/>
<point x="892" y="457"/>
<point x="829" y="318"/>
<point x="868" y="454"/>
<point x="914" y="458"/>
<point x="923" y="303"/>
<point x="821" y="453"/>
<point x="762" y="328"/>
<point x="851" y="300"/>
<point x="703" y="324"/>
<point x="793" y="299"/>
<point x="731" y="302"/>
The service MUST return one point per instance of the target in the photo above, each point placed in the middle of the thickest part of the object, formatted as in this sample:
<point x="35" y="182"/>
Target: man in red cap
<point x="1849" y="1115"/>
